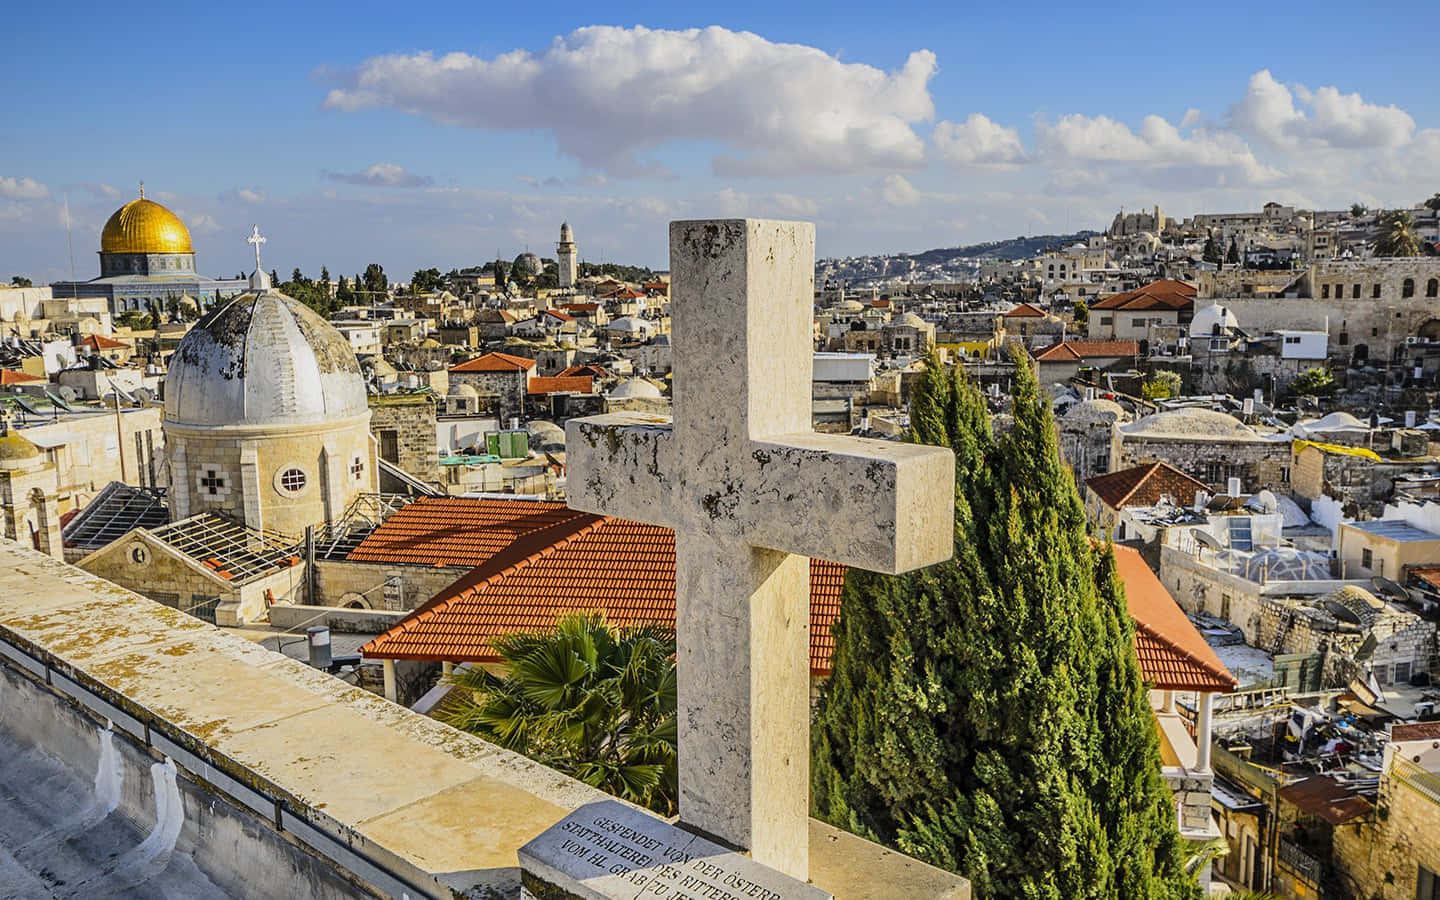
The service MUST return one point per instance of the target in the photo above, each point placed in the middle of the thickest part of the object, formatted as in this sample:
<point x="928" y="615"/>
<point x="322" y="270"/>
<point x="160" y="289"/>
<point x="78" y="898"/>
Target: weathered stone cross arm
<point x="865" y="503"/>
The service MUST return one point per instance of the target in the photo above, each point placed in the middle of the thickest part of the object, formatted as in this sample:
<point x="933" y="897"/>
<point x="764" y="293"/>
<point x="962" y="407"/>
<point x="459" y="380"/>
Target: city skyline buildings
<point x="436" y="139"/>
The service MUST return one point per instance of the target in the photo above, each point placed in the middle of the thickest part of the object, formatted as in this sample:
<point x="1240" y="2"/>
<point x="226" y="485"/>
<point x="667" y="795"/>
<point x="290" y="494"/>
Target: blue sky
<point x="350" y="136"/>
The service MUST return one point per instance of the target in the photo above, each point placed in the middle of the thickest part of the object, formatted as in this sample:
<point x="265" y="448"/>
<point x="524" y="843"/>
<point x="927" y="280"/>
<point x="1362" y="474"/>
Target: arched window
<point x="1432" y="287"/>
<point x="1407" y="288"/>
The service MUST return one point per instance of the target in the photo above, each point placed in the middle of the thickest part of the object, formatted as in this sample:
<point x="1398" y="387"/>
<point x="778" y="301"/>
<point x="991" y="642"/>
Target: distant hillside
<point x="1015" y="248"/>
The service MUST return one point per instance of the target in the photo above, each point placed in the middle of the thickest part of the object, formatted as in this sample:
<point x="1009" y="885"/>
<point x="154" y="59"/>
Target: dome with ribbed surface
<point x="144" y="226"/>
<point x="263" y="358"/>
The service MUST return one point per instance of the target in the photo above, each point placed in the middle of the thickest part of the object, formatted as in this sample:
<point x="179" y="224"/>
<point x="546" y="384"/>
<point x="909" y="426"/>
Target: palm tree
<point x="1397" y="235"/>
<point x="589" y="699"/>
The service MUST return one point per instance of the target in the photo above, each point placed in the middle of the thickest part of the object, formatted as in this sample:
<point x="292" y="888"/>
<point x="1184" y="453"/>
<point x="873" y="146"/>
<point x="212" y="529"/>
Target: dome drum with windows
<point x="266" y="416"/>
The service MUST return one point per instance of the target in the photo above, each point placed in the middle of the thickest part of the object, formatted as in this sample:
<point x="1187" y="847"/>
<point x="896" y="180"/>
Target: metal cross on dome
<point x="257" y="239"/>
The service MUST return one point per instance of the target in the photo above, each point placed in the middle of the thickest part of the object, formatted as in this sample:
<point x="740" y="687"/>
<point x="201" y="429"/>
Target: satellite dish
<point x="1386" y="586"/>
<point x="1208" y="539"/>
<point x="144" y="395"/>
<point x="1268" y="502"/>
<point x="1341" y="611"/>
<point x="67" y="393"/>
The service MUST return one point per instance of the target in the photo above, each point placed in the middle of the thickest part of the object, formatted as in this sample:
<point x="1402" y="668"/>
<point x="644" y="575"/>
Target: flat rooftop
<point x="1393" y="530"/>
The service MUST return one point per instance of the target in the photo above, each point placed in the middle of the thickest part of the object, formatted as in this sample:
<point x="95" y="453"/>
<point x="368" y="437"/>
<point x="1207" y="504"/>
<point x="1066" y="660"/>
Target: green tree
<point x="1357" y="210"/>
<point x="426" y="280"/>
<point x="375" y="281"/>
<point x="589" y="699"/>
<point x="987" y="715"/>
<point x="1082" y="314"/>
<point x="1433" y="204"/>
<point x="1161" y="385"/>
<point x="1313" y="383"/>
<point x="21" y="281"/>
<point x="1232" y="255"/>
<point x="502" y="274"/>
<point x="343" y="295"/>
<point x="1397" y="235"/>
<point x="1212" y="252"/>
<point x="135" y="320"/>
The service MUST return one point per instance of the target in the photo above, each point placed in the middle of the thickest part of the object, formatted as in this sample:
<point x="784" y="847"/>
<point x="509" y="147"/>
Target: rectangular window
<point x="1106" y="320"/>
<point x="1402" y="673"/>
<point x="1367" y="559"/>
<point x="1375" y="291"/>
<point x="1137" y="323"/>
<point x="1355" y="292"/>
<point x="1427" y="885"/>
<point x="1324" y="292"/>
<point x="1292" y="340"/>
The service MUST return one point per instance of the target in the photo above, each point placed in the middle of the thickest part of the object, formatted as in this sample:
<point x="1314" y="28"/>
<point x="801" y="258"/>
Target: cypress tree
<point x="986" y="715"/>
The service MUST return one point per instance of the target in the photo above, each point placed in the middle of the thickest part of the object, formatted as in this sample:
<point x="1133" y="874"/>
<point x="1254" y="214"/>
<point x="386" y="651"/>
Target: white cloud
<point x="1158" y="144"/>
<point x="1269" y="111"/>
<point x="22" y="189"/>
<point x="382" y="175"/>
<point x="896" y="190"/>
<point x="978" y="141"/>
<point x="610" y="95"/>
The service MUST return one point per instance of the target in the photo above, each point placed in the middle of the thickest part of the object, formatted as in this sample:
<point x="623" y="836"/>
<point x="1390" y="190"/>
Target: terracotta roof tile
<point x="495" y="362"/>
<point x="1145" y="485"/>
<point x="592" y="371"/>
<point x="1162" y="295"/>
<point x="101" y="342"/>
<point x="558" y="384"/>
<point x="623" y="569"/>
<point x="1025" y="311"/>
<point x="557" y="314"/>
<point x="1172" y="654"/>
<point x="1073" y="350"/>
<point x="458" y="531"/>
<point x="15" y="376"/>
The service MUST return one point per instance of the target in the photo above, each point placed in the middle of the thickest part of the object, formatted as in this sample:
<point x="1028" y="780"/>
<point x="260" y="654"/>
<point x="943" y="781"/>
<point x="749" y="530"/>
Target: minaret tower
<point x="565" y="256"/>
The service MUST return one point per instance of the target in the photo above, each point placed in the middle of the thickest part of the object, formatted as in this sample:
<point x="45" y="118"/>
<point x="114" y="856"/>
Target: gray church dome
<point x="263" y="358"/>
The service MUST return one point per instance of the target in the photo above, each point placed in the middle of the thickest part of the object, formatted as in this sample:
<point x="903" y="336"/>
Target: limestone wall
<point x="1258" y="464"/>
<point x="411" y="420"/>
<point x="340" y="583"/>
<point x="1383" y="853"/>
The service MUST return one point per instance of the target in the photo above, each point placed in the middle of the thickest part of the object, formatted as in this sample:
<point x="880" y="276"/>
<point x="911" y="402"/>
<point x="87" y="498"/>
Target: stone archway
<point x="1429" y="330"/>
<point x="352" y="600"/>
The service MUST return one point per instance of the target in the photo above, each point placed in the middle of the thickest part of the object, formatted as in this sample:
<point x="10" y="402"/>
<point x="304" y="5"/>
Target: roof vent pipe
<point x="1232" y="486"/>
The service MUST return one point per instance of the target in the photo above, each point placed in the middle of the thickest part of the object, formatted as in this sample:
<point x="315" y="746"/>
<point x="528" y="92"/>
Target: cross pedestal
<point x="751" y="492"/>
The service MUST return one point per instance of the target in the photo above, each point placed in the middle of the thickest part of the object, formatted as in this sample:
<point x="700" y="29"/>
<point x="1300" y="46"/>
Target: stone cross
<point x="256" y="239"/>
<point x="751" y="492"/>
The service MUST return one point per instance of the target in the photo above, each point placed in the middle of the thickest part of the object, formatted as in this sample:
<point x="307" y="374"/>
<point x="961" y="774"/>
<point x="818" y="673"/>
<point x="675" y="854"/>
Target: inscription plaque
<point x="607" y="851"/>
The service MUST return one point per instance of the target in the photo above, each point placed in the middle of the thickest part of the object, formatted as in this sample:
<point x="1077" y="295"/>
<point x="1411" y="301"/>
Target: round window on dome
<point x="291" y="480"/>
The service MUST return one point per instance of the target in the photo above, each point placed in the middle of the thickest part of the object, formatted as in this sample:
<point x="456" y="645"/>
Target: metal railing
<point x="1412" y="775"/>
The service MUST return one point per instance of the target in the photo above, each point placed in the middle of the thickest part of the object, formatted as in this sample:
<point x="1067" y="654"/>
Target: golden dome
<point x="144" y="226"/>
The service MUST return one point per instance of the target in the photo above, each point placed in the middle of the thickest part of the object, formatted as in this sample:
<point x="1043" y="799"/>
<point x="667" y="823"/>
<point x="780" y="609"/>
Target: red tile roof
<point x="1157" y="295"/>
<point x="624" y="294"/>
<point x="557" y="314"/>
<point x="1172" y="654"/>
<point x="657" y="286"/>
<point x="1025" y="311"/>
<point x="1078" y="350"/>
<point x="559" y="384"/>
<point x="15" y="376"/>
<point x="456" y="531"/>
<point x="101" y="342"/>
<point x="495" y="362"/>
<point x="623" y="569"/>
<point x="1145" y="485"/>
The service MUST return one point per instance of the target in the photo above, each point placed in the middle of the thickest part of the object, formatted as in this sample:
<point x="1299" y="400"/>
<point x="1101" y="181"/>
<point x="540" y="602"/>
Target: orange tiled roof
<point x="1145" y="485"/>
<point x="1076" y="350"/>
<point x="101" y="342"/>
<point x="559" y="384"/>
<point x="1025" y="311"/>
<point x="624" y="294"/>
<point x="15" y="376"/>
<point x="1165" y="294"/>
<point x="657" y="286"/>
<point x="557" y="314"/>
<point x="495" y="362"/>
<point x="456" y="531"/>
<point x="1172" y="654"/>
<point x="623" y="569"/>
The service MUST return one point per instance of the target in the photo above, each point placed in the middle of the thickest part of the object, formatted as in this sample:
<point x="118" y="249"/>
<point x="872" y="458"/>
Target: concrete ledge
<point x="395" y="799"/>
<point x="342" y="621"/>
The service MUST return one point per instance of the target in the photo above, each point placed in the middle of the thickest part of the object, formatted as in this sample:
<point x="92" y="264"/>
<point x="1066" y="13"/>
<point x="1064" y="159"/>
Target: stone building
<point x="1143" y="486"/>
<point x="27" y="493"/>
<point x="1398" y="853"/>
<point x="907" y="335"/>
<point x="1209" y="445"/>
<point x="1085" y="430"/>
<point x="1150" y="313"/>
<point x="567" y="258"/>
<point x="146" y="259"/>
<point x="266" y="419"/>
<point x="500" y="381"/>
<point x="404" y="429"/>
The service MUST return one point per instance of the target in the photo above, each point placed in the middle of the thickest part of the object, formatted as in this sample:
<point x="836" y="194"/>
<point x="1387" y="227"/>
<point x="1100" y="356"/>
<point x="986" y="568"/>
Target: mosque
<point x="146" y="258"/>
<point x="267" y="436"/>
